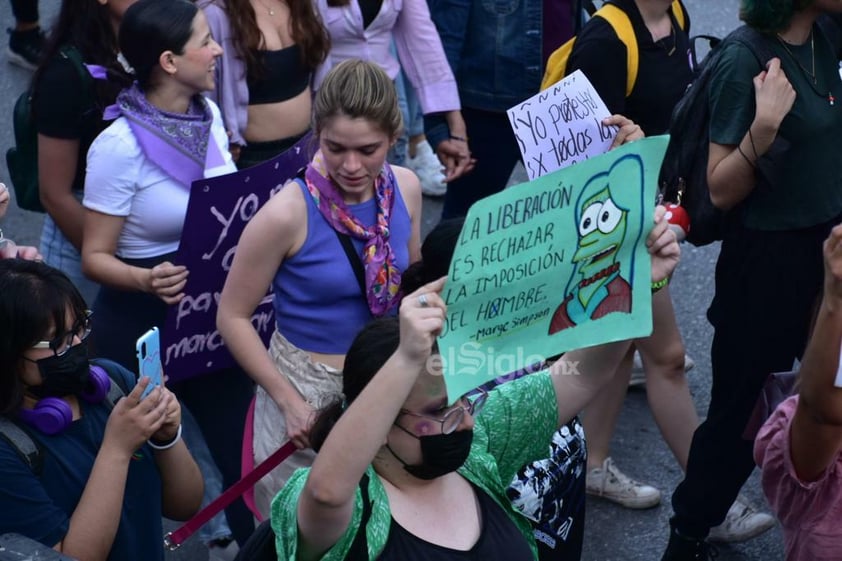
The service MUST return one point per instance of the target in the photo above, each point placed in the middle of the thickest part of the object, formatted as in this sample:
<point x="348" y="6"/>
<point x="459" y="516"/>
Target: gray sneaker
<point x="612" y="484"/>
<point x="742" y="522"/>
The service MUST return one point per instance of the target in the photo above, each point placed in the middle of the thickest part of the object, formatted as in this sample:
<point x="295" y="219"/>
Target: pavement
<point x="612" y="533"/>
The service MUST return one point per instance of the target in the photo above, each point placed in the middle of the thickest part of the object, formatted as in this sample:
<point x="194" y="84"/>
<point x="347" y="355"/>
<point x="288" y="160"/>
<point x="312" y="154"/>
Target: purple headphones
<point x="52" y="415"/>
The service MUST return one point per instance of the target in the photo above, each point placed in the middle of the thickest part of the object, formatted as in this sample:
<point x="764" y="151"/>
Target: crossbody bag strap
<point x="353" y="258"/>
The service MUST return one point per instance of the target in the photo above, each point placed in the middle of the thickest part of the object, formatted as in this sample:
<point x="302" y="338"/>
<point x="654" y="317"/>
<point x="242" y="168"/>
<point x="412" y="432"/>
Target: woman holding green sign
<point x="423" y="477"/>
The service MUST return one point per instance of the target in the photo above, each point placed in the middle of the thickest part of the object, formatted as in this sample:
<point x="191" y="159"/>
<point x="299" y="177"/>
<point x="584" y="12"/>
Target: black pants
<point x="767" y="284"/>
<point x="255" y="153"/>
<point x="25" y="11"/>
<point x="495" y="148"/>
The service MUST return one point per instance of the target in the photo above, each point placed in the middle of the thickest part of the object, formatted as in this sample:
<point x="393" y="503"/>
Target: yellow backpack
<point x="619" y="20"/>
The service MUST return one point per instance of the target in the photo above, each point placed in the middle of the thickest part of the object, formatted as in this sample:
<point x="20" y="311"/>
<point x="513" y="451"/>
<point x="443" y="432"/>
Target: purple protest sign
<point x="217" y="214"/>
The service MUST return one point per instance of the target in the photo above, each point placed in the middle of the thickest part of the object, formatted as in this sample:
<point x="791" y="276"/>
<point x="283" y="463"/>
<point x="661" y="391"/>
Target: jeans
<point x="767" y="285"/>
<point x="217" y="527"/>
<point x="495" y="148"/>
<point x="399" y="151"/>
<point x="58" y="252"/>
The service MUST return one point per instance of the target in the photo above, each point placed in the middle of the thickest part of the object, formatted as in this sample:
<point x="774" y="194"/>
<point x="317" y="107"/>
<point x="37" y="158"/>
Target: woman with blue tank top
<point x="349" y="197"/>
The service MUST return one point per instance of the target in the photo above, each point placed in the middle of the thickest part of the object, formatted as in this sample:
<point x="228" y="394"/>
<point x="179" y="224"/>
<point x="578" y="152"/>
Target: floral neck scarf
<point x="382" y="277"/>
<point x="180" y="143"/>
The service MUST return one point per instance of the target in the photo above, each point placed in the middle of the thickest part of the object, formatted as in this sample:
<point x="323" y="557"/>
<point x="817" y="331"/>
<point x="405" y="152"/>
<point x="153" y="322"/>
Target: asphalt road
<point x="613" y="533"/>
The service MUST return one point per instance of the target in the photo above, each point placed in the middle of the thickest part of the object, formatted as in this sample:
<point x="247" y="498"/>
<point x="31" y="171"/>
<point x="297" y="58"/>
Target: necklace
<point x="809" y="73"/>
<point x="268" y="9"/>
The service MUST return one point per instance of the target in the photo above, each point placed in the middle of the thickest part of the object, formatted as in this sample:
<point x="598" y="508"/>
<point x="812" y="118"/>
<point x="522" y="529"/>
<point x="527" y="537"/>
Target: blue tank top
<point x="317" y="299"/>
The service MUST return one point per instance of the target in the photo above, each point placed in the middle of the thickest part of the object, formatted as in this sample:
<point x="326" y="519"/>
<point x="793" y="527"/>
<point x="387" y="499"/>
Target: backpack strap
<point x="72" y="54"/>
<point x="359" y="548"/>
<point x="620" y="22"/>
<point x="755" y="41"/>
<point x="680" y="14"/>
<point x="26" y="447"/>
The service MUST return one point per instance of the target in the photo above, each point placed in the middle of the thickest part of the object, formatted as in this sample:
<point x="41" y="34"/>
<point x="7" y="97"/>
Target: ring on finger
<point x="422" y="301"/>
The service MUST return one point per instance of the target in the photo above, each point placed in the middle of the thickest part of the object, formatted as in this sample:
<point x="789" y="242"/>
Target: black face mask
<point x="68" y="374"/>
<point x="440" y="454"/>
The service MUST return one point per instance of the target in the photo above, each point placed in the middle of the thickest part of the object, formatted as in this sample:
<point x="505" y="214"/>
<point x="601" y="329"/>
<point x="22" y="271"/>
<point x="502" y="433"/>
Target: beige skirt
<point x="318" y="384"/>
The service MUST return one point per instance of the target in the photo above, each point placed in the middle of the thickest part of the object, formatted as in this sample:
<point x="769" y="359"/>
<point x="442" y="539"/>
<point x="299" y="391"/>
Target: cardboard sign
<point x="555" y="264"/>
<point x="561" y="125"/>
<point x="217" y="214"/>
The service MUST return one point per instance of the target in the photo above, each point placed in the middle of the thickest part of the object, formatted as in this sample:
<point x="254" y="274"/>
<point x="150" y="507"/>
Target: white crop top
<point x="122" y="181"/>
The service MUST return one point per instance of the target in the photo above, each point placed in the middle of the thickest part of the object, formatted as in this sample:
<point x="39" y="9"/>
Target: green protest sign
<point x="551" y="265"/>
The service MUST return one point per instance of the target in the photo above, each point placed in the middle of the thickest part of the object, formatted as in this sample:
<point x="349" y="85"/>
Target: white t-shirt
<point x="122" y="181"/>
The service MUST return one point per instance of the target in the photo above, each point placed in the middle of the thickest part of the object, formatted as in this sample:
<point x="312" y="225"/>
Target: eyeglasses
<point x="453" y="418"/>
<point x="60" y="344"/>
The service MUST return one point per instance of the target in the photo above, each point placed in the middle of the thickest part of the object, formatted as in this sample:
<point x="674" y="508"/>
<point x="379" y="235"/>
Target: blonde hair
<point x="359" y="90"/>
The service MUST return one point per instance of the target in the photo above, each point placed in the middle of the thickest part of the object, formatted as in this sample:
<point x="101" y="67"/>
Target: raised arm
<point x="731" y="167"/>
<point x="274" y="234"/>
<point x="816" y="430"/>
<point x="579" y="375"/>
<point x="326" y="503"/>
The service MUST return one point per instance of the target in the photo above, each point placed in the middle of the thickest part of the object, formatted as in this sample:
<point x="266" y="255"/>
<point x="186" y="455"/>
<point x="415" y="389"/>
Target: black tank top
<point x="499" y="540"/>
<point x="285" y="76"/>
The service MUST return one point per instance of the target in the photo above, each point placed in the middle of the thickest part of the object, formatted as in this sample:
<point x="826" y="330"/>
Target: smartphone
<point x="149" y="359"/>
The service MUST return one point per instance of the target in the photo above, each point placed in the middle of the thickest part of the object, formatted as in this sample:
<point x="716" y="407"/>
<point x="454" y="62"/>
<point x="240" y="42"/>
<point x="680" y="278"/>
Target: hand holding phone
<point x="149" y="359"/>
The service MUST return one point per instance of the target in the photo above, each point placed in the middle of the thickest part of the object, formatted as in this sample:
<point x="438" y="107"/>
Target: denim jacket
<point x="494" y="49"/>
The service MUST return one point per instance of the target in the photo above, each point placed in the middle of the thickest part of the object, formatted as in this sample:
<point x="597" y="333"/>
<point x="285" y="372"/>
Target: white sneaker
<point x="742" y="522"/>
<point x="638" y="376"/>
<point x="427" y="167"/>
<point x="611" y="484"/>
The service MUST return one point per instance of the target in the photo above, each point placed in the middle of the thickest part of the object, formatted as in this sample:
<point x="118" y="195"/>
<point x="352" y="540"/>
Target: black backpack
<point x="683" y="177"/>
<point x="22" y="159"/>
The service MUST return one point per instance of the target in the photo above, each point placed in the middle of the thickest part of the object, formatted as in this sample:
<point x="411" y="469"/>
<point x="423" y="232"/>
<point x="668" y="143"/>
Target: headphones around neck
<point x="52" y="415"/>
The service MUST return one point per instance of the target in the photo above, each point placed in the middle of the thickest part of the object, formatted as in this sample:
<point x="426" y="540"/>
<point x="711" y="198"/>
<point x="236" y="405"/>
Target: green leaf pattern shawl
<point x="514" y="428"/>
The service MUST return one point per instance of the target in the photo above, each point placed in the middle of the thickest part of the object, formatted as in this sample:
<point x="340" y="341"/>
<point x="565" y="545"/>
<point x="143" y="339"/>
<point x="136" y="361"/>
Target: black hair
<point x="86" y="25"/>
<point x="436" y="255"/>
<point x="149" y="28"/>
<point x="34" y="298"/>
<point x="369" y="351"/>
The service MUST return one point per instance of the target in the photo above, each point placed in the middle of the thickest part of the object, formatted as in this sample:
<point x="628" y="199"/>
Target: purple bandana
<point x="382" y="277"/>
<point x="179" y="143"/>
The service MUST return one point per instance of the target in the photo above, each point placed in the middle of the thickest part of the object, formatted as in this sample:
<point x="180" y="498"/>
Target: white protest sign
<point x="561" y="125"/>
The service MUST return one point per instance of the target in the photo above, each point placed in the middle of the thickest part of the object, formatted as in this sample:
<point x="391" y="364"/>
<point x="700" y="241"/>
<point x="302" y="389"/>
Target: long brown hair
<point x="307" y="32"/>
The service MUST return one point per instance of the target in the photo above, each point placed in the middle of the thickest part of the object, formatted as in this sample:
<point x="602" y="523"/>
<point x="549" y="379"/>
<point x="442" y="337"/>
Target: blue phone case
<point x="149" y="359"/>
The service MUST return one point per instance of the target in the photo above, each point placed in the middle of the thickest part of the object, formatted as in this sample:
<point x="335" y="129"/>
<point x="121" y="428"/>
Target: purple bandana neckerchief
<point x="179" y="143"/>
<point x="382" y="277"/>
